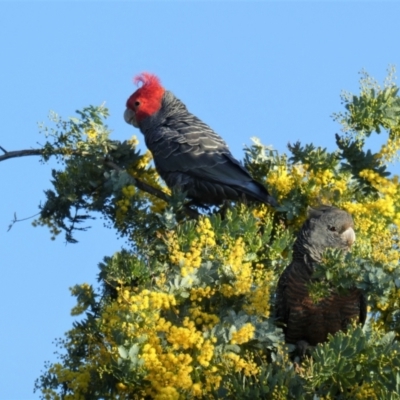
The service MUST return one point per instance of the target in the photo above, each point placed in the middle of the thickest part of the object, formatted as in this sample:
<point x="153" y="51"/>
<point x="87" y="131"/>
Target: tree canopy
<point x="186" y="309"/>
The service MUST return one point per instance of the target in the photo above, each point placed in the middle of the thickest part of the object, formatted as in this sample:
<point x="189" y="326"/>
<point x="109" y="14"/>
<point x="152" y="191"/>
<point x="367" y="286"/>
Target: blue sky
<point x="266" y="69"/>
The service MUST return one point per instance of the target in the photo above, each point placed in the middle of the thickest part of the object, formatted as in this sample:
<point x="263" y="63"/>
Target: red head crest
<point x="148" y="81"/>
<point x="147" y="99"/>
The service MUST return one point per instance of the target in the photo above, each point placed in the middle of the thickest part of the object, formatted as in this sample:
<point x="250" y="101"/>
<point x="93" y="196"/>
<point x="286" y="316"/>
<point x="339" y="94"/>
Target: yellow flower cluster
<point x="76" y="381"/>
<point x="383" y="250"/>
<point x="326" y="179"/>
<point x="383" y="185"/>
<point x="86" y="289"/>
<point x="135" y="314"/>
<point x="365" y="391"/>
<point x="360" y="215"/>
<point x="203" y="318"/>
<point x="384" y="206"/>
<point x="212" y="379"/>
<point x="340" y="184"/>
<point x="390" y="149"/>
<point x="286" y="178"/>
<point x="206" y="354"/>
<point x="243" y="335"/>
<point x="157" y="205"/>
<point x="141" y="169"/>
<point x="260" y="212"/>
<point x="196" y="390"/>
<point x="133" y="141"/>
<point x="281" y="393"/>
<point x="147" y="299"/>
<point x="91" y="134"/>
<point x="373" y="218"/>
<point x="123" y="204"/>
<point x="382" y="306"/>
<point x="174" y="248"/>
<point x="283" y="180"/>
<point x="128" y="191"/>
<point x="166" y="369"/>
<point x="167" y="393"/>
<point x="206" y="233"/>
<point x="196" y="294"/>
<point x="257" y="299"/>
<point x="192" y="258"/>
<point x="241" y="272"/>
<point x="189" y="260"/>
<point x="185" y="337"/>
<point x="142" y="163"/>
<point x="323" y="177"/>
<point x="239" y="364"/>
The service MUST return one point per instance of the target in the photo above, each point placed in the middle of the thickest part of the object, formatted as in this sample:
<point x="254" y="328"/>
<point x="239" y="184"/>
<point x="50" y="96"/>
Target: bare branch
<point x="20" y="153"/>
<point x="15" y="220"/>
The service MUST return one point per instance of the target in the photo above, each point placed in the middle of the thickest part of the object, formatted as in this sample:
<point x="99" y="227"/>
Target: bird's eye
<point x="137" y="103"/>
<point x="332" y="228"/>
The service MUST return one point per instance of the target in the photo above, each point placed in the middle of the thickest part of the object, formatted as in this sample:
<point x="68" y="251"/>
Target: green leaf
<point x="123" y="352"/>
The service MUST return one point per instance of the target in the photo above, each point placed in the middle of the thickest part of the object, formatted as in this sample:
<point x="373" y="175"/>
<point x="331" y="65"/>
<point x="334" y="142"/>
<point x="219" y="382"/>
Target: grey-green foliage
<point x="374" y="110"/>
<point x="342" y="272"/>
<point x="353" y="359"/>
<point x="85" y="183"/>
<point x="317" y="158"/>
<point x="350" y="365"/>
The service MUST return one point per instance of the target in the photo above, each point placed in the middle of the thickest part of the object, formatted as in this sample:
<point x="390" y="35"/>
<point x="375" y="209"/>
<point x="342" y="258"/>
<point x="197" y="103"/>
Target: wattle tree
<point x="187" y="308"/>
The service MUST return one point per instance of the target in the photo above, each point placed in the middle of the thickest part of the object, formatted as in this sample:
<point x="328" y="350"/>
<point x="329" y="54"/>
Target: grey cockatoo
<point x="304" y="322"/>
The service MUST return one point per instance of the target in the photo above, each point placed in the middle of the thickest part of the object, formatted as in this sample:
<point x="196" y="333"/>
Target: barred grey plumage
<point x="305" y="322"/>
<point x="188" y="154"/>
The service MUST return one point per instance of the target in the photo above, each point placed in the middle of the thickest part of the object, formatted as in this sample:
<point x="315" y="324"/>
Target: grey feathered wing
<point x="191" y="155"/>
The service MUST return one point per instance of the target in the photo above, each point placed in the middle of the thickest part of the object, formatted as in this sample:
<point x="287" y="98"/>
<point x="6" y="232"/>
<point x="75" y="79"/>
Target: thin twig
<point x="141" y="185"/>
<point x="3" y="149"/>
<point x="15" y="220"/>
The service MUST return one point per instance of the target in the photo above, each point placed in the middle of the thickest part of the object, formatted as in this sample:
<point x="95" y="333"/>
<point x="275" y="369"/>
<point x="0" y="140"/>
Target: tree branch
<point x="141" y="185"/>
<point x="154" y="191"/>
<point x="19" y="153"/>
<point x="15" y="220"/>
<point x="138" y="183"/>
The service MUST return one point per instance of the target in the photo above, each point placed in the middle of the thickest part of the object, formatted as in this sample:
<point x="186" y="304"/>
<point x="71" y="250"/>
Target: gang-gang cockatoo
<point x="304" y="321"/>
<point x="187" y="153"/>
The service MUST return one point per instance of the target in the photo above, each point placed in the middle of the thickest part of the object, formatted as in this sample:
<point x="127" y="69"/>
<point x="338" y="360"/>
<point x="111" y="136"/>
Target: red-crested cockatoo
<point x="187" y="153"/>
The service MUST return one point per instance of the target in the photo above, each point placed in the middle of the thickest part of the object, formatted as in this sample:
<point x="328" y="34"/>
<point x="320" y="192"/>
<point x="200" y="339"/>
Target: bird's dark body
<point x="310" y="322"/>
<point x="302" y="319"/>
<point x="190" y="156"/>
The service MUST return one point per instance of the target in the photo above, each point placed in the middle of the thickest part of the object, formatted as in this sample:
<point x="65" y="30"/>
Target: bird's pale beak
<point x="130" y="117"/>
<point x="349" y="236"/>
